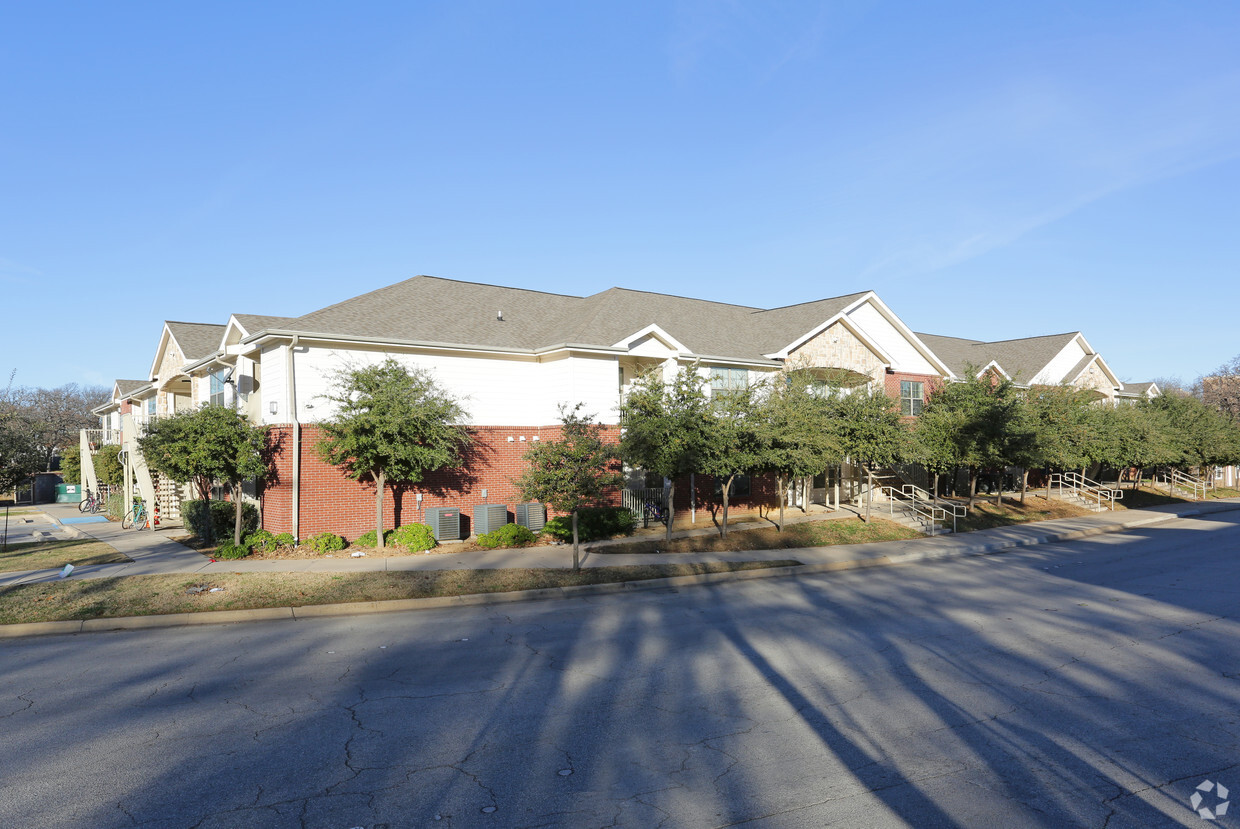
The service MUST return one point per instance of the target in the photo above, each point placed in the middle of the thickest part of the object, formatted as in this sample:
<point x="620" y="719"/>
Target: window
<point x="912" y="397"/>
<point x="150" y="406"/>
<point x="723" y="380"/>
<point x="742" y="486"/>
<point x="217" y="387"/>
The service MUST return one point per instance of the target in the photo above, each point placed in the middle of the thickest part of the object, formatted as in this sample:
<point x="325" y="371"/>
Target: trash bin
<point x="68" y="493"/>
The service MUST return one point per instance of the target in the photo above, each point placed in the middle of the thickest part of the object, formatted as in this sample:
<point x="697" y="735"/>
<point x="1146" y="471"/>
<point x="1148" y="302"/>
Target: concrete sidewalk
<point x="153" y="553"/>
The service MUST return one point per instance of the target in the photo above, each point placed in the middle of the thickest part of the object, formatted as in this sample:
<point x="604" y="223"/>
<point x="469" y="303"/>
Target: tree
<point x="1141" y="438"/>
<point x="210" y="444"/>
<point x="20" y="456"/>
<point x="55" y="416"/>
<point x="799" y="435"/>
<point x="870" y="433"/>
<point x="108" y="467"/>
<point x="985" y="411"/>
<point x="1056" y="431"/>
<point x="933" y="442"/>
<point x="71" y="464"/>
<point x="572" y="472"/>
<point x="665" y="428"/>
<point x="393" y="425"/>
<point x="737" y="441"/>
<point x="1222" y="388"/>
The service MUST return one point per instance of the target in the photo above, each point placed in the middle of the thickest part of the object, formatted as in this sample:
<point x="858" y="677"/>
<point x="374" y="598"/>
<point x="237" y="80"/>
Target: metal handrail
<point x="954" y="510"/>
<point x="1083" y="487"/>
<point x="102" y="437"/>
<point x="1188" y="483"/>
<point x="925" y="509"/>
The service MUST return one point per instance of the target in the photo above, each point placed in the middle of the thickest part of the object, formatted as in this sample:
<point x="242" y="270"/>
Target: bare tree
<point x="53" y="417"/>
<point x="1221" y="389"/>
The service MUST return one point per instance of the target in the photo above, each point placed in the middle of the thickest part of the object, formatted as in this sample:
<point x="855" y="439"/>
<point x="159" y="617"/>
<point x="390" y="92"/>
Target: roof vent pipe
<point x="499" y="315"/>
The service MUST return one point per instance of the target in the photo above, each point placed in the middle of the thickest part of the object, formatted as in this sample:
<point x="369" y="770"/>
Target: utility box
<point x="446" y="522"/>
<point x="532" y="516"/>
<point x="489" y="517"/>
<point x="69" y="493"/>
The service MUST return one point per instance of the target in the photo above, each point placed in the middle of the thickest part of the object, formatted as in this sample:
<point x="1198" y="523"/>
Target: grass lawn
<point x="43" y="555"/>
<point x="1153" y="496"/>
<point x="146" y="595"/>
<point x="806" y="534"/>
<point x="985" y="515"/>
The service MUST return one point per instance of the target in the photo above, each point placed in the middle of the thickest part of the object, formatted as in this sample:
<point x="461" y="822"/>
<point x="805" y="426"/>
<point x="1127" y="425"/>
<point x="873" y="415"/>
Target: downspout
<point x="291" y="384"/>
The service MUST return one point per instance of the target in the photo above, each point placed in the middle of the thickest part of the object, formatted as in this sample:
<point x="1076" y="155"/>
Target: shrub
<point x="593" y="523"/>
<point x="261" y="541"/>
<point x="194" y="514"/>
<point x="509" y="535"/>
<point x="116" y="506"/>
<point x="286" y="540"/>
<point x="325" y="543"/>
<point x="228" y="550"/>
<point x="413" y="537"/>
<point x="369" y="539"/>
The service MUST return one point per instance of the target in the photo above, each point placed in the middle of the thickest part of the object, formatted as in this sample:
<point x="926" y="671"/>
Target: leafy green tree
<point x="393" y="425"/>
<point x="209" y="444"/>
<point x="576" y="470"/>
<point x="799" y="435"/>
<point x="985" y="411"/>
<point x="933" y="442"/>
<point x="108" y="467"/>
<point x="1057" y="431"/>
<point x="871" y="433"/>
<point x="1198" y="435"/>
<point x="737" y="441"/>
<point x="665" y="428"/>
<point x="1141" y="438"/>
<point x="71" y="464"/>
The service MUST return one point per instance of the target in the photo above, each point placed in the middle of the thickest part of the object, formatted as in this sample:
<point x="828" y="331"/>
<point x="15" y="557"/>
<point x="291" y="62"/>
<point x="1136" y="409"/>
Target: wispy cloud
<point x="16" y="272"/>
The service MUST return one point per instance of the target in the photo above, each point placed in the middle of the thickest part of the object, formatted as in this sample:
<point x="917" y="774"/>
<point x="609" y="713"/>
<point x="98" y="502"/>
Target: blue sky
<point x="992" y="170"/>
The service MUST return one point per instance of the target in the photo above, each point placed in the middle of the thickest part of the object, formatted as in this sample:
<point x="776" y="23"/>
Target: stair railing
<point x="1084" y="489"/>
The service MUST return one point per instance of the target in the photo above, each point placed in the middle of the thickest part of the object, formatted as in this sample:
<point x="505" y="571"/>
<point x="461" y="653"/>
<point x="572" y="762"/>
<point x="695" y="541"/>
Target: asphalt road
<point x="1087" y="684"/>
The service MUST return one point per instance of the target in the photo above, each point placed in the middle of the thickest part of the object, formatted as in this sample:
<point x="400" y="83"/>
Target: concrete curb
<point x="215" y="617"/>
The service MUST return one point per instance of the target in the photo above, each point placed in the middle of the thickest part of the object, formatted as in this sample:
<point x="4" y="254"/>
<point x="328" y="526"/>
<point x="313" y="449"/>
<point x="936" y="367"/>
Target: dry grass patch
<point x="985" y="516"/>
<point x="805" y="534"/>
<point x="45" y="555"/>
<point x="77" y="599"/>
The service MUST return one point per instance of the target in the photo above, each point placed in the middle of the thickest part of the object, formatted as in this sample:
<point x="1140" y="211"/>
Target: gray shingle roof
<point x="430" y="309"/>
<point x="1136" y="388"/>
<point x="197" y="339"/>
<point x="1022" y="359"/>
<point x="124" y="387"/>
<point x="253" y="323"/>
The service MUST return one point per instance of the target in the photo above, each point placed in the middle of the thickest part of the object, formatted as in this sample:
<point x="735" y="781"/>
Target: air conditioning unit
<point x="446" y="522"/>
<point x="532" y="516"/>
<point x="489" y="517"/>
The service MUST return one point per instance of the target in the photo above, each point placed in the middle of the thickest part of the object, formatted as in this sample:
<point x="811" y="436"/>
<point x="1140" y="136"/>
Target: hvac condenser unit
<point x="532" y="515"/>
<point x="446" y="522"/>
<point x="489" y="517"/>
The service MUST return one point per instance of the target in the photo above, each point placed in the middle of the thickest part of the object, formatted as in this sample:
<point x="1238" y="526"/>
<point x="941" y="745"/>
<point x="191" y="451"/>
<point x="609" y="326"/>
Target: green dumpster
<point x="68" y="493"/>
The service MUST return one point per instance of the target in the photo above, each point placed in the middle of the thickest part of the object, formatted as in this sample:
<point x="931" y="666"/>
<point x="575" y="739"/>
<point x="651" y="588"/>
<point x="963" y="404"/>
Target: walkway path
<point x="155" y="553"/>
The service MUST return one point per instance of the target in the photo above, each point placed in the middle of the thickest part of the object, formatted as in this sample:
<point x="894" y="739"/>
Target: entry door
<point x="818" y="489"/>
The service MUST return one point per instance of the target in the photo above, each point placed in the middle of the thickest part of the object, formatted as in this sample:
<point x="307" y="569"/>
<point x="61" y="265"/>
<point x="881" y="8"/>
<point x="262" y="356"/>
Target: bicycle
<point x="90" y="503"/>
<point x="654" y="510"/>
<point x="136" y="518"/>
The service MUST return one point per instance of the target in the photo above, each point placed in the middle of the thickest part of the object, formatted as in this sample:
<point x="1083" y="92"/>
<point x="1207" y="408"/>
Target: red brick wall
<point x="332" y="502"/>
<point x="892" y="388"/>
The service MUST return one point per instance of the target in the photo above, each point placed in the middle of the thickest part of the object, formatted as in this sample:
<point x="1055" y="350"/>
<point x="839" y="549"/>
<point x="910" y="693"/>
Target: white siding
<point x="904" y="356"/>
<point x="1061" y="364"/>
<point x="496" y="391"/>
<point x="273" y="388"/>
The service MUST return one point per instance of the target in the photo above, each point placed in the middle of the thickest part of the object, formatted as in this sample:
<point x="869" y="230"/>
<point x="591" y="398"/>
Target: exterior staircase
<point x="1074" y="488"/>
<point x="1186" y="485"/>
<point x="913" y="507"/>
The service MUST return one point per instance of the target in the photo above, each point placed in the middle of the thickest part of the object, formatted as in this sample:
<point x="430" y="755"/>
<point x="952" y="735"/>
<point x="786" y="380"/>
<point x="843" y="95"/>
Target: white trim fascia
<point x="255" y="341"/>
<point x="713" y="359"/>
<point x="232" y="323"/>
<point x="783" y="353"/>
<point x="921" y="347"/>
<point x="996" y="365"/>
<point x="852" y="328"/>
<point x="164" y="337"/>
<point x="655" y="329"/>
<point x="1115" y="381"/>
